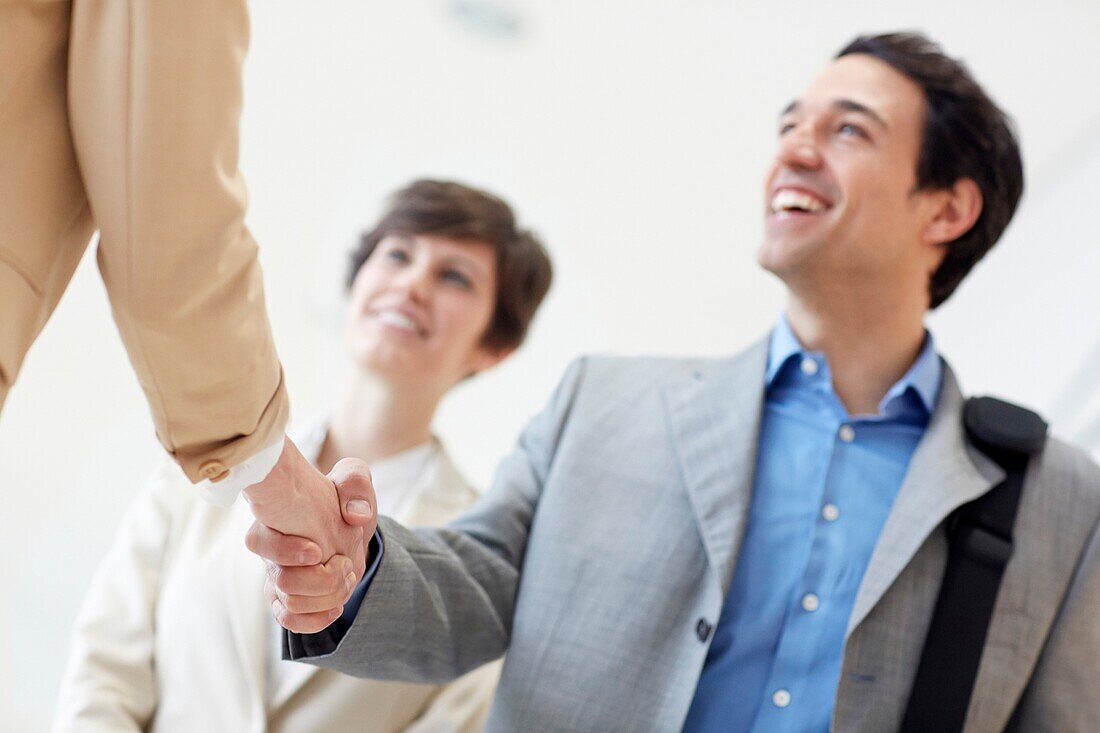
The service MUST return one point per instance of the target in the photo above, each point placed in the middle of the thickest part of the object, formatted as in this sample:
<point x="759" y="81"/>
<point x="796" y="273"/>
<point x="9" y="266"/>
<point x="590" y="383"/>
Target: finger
<point x="308" y="611"/>
<point x="359" y="555"/>
<point x="312" y="604"/>
<point x="307" y="623"/>
<point x="281" y="549"/>
<point x="356" y="491"/>
<point x="326" y="579"/>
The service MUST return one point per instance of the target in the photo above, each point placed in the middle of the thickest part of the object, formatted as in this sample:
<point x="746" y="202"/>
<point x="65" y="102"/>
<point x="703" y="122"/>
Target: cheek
<point x="875" y="199"/>
<point x="465" y="320"/>
<point x="370" y="280"/>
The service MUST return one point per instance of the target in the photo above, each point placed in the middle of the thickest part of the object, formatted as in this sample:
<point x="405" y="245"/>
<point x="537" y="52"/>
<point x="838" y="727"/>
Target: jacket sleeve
<point x="109" y="683"/>
<point x="440" y="603"/>
<point x="155" y="97"/>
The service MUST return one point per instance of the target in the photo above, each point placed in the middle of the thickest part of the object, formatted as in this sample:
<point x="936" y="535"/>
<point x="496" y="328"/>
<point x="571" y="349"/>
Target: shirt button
<point x="830" y="512"/>
<point x="781" y="698"/>
<point x="703" y="629"/>
<point x="810" y="602"/>
<point x="847" y="433"/>
<point x="809" y="366"/>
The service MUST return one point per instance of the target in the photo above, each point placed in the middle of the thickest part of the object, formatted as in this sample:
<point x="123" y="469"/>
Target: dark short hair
<point x="966" y="135"/>
<point x="456" y="211"/>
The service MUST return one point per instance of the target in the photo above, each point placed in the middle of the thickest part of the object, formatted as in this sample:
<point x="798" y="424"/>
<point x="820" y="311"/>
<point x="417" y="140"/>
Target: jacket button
<point x="703" y="629"/>
<point x="213" y="470"/>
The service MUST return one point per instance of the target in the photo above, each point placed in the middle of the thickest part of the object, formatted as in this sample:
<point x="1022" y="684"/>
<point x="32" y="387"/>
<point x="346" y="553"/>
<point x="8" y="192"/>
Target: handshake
<point x="313" y="532"/>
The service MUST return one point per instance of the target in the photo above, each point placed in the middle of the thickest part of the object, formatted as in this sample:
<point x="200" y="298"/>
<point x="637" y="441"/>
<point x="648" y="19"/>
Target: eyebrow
<point x="846" y="105"/>
<point x="401" y="237"/>
<point x="468" y="263"/>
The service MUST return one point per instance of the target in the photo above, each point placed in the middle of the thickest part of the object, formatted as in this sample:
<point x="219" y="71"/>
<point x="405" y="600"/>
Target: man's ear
<point x="958" y="209"/>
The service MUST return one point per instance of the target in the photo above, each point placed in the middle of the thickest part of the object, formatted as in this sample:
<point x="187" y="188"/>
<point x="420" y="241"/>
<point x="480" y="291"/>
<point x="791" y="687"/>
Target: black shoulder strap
<point x="980" y="544"/>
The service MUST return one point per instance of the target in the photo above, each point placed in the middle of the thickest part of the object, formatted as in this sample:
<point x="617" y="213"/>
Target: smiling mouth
<point x="786" y="201"/>
<point x="400" y="321"/>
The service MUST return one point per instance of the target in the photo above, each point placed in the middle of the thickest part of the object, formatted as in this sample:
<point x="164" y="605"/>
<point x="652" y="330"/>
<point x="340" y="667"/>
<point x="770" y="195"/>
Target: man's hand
<point x="312" y="531"/>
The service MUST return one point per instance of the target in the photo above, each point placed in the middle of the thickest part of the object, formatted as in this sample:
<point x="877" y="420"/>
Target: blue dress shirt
<point x="823" y="486"/>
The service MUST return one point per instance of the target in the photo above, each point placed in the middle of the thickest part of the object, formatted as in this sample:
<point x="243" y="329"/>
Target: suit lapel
<point x="943" y="474"/>
<point x="714" y="417"/>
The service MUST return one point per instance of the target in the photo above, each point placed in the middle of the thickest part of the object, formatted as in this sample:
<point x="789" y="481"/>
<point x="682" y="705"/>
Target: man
<point x="757" y="543"/>
<point x="124" y="117"/>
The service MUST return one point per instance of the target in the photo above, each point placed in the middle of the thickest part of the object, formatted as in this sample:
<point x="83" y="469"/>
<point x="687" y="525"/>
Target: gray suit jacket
<point x="601" y="556"/>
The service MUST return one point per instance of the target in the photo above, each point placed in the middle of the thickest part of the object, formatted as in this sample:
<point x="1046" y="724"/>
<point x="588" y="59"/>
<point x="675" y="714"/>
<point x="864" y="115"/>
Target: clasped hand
<point x="312" y="532"/>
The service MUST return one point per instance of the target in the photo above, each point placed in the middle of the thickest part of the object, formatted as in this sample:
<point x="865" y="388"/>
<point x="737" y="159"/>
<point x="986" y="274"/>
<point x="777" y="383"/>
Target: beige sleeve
<point x="154" y="102"/>
<point x="109" y="682"/>
<point x="461" y="706"/>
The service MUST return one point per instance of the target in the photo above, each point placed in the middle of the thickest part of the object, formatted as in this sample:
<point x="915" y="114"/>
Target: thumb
<point x="356" y="491"/>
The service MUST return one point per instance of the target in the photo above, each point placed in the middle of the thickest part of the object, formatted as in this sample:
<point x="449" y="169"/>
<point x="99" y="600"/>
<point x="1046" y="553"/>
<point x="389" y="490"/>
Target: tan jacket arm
<point x="109" y="684"/>
<point x="155" y="97"/>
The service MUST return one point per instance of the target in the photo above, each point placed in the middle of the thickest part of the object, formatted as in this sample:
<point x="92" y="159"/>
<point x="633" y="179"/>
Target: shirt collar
<point x="784" y="345"/>
<point x="923" y="378"/>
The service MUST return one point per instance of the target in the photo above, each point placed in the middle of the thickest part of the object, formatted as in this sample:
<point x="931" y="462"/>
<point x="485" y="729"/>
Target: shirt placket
<point x="807" y="620"/>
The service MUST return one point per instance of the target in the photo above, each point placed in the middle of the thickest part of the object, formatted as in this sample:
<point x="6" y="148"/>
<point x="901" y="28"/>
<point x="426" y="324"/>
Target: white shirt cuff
<point x="252" y="471"/>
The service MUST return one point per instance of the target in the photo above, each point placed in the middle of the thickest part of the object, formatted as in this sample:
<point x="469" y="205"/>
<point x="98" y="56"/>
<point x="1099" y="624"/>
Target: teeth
<point x="397" y="320"/>
<point x="788" y="200"/>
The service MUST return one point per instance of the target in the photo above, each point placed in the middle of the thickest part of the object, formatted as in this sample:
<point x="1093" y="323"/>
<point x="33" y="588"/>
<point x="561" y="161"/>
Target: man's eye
<point x="851" y="130"/>
<point x="398" y="255"/>
<point x="785" y="128"/>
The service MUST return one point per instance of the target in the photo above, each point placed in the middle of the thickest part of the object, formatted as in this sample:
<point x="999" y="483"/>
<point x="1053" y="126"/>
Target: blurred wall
<point x="633" y="136"/>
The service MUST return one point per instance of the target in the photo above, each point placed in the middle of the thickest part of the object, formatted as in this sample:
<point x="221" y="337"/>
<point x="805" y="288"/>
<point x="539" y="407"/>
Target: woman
<point x="175" y="634"/>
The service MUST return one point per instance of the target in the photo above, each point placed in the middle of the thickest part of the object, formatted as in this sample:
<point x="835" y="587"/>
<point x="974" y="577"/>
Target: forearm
<point x="440" y="605"/>
<point x="155" y="96"/>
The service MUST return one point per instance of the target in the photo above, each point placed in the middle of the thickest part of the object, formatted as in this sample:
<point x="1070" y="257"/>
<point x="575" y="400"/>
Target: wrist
<point x="277" y="482"/>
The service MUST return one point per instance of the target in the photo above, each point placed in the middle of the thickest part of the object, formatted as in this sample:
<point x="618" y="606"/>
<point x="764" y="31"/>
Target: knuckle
<point x="336" y="584"/>
<point x="294" y="605"/>
<point x="252" y="539"/>
<point x="292" y="547"/>
<point x="302" y="625"/>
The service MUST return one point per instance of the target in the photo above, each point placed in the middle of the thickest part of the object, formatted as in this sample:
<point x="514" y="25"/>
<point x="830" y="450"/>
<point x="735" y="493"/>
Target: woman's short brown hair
<point x="453" y="210"/>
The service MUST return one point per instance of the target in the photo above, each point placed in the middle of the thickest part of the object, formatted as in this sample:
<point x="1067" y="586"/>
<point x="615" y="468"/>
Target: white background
<point x="631" y="135"/>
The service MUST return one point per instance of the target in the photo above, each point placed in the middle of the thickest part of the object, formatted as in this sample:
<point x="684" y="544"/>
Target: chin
<point x="383" y="360"/>
<point x="784" y="256"/>
<point x="775" y="257"/>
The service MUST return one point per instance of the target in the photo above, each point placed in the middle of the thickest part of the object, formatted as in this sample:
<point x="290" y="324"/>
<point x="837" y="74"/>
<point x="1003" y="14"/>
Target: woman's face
<point x="420" y="306"/>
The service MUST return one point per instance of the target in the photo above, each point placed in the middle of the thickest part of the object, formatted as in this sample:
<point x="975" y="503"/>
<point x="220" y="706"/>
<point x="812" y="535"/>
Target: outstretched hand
<point x="312" y="531"/>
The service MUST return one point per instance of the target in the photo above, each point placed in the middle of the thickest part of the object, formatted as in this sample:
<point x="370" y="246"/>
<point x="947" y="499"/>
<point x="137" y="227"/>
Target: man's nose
<point x="798" y="148"/>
